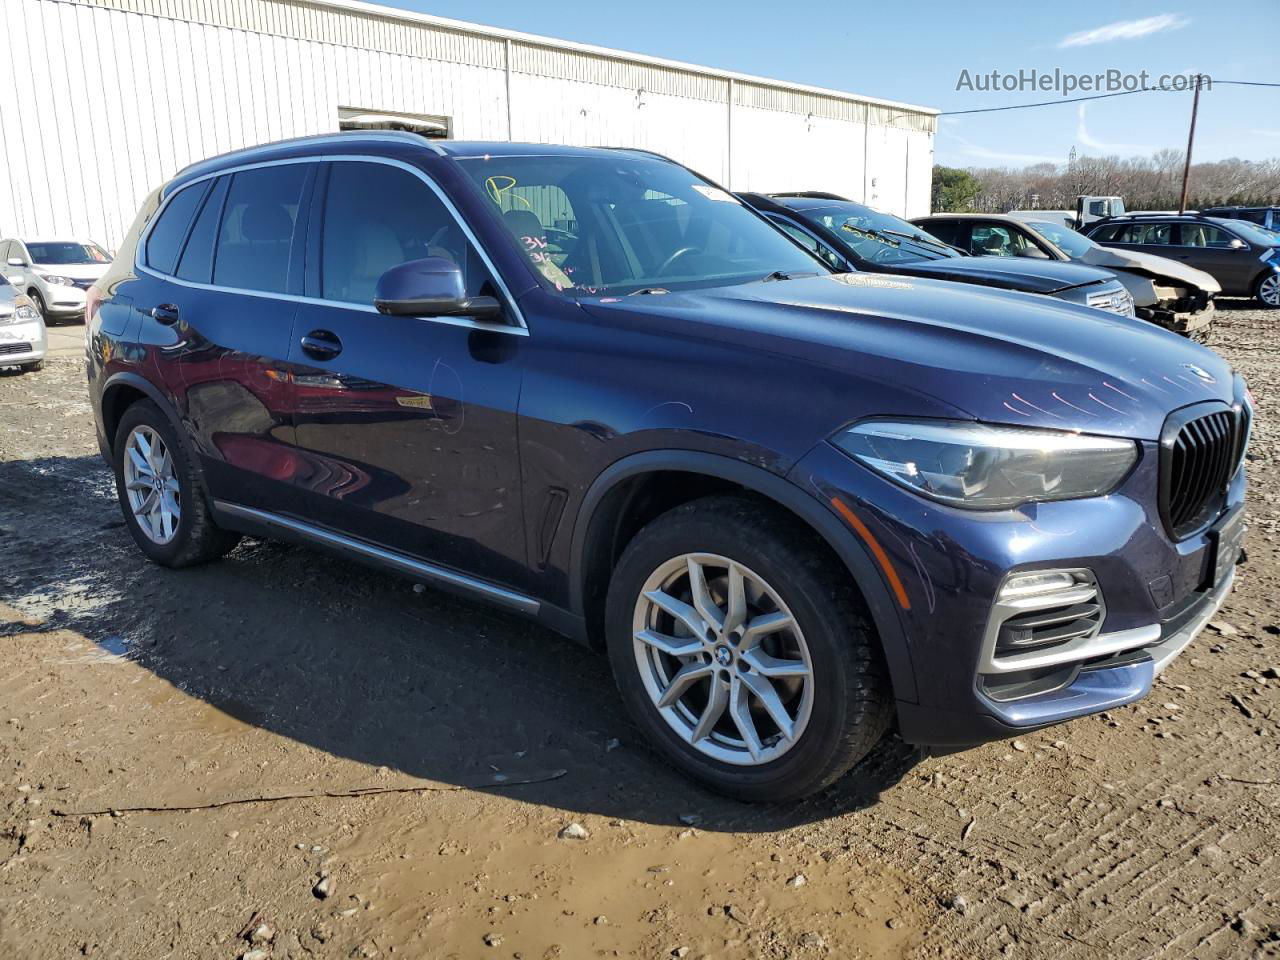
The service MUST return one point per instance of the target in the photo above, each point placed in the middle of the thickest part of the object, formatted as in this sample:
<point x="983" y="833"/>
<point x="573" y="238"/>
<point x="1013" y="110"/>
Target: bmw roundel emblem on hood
<point x="1201" y="372"/>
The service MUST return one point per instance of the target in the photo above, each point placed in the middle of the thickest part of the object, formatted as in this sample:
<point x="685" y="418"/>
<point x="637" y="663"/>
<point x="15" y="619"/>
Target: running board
<point x="382" y="557"/>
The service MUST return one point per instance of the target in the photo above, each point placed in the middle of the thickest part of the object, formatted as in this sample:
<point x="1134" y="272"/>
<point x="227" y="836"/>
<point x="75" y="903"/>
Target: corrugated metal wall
<point x="105" y="99"/>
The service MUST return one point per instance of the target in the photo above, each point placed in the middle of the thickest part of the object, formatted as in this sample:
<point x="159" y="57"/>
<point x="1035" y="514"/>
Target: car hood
<point x="999" y="357"/>
<point x="1158" y="268"/>
<point x="75" y="271"/>
<point x="1032" y="276"/>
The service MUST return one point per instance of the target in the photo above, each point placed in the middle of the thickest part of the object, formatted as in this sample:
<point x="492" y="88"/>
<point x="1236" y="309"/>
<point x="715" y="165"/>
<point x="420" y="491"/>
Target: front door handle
<point x="321" y="345"/>
<point x="165" y="313"/>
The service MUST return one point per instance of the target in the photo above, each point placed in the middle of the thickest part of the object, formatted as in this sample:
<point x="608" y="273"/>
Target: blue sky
<point x="915" y="52"/>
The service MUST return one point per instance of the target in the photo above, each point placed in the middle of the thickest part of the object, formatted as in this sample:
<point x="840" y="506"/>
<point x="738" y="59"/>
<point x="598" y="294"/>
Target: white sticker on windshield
<point x="715" y="193"/>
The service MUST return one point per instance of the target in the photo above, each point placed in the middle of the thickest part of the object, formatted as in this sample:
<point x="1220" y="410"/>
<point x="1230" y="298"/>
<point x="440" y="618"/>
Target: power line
<point x="1104" y="96"/>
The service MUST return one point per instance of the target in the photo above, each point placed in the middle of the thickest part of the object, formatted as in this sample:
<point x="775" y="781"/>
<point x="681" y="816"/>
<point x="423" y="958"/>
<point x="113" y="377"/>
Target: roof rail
<point x="315" y="138"/>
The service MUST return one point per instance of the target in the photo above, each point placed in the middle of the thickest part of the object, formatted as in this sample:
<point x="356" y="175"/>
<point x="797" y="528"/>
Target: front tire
<point x="1267" y="291"/>
<point x="742" y="650"/>
<point x="160" y="492"/>
<point x="41" y="308"/>
<point x="32" y="367"/>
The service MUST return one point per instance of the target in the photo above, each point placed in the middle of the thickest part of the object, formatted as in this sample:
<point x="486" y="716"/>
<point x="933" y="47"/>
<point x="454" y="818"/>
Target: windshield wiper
<point x="917" y="238"/>
<point x="785" y="275"/>
<point x="647" y="291"/>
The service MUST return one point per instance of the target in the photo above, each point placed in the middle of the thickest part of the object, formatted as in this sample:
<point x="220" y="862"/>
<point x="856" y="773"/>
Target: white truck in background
<point x="1088" y="210"/>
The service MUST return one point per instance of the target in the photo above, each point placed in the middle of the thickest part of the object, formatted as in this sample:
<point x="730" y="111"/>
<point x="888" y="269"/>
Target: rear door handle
<point x="321" y="345"/>
<point x="165" y="313"/>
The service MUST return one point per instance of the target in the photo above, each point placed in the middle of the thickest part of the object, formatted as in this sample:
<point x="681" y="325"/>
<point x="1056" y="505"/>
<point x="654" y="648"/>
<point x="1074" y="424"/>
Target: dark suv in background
<point x="593" y="388"/>
<point x="1242" y="257"/>
<point x="851" y="236"/>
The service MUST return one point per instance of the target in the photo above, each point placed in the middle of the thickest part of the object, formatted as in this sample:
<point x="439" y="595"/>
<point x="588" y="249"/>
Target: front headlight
<point x="56" y="280"/>
<point x="25" y="313"/>
<point x="985" y="467"/>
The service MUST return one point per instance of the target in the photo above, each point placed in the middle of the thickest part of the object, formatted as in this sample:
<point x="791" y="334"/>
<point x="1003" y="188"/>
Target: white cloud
<point x="1082" y="134"/>
<point x="1000" y="156"/>
<point x="1125" y="30"/>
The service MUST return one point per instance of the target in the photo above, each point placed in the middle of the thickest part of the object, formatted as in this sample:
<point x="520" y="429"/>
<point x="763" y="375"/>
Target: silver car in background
<point x="55" y="274"/>
<point x="23" y="341"/>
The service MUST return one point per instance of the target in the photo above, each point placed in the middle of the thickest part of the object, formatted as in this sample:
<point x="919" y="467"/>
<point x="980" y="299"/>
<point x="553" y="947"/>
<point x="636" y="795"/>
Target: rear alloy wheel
<point x="160" y="492"/>
<point x="743" y="651"/>
<point x="1269" y="290"/>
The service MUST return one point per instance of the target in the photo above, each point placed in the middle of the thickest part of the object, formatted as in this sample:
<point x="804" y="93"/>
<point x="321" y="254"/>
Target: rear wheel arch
<point x="604" y="526"/>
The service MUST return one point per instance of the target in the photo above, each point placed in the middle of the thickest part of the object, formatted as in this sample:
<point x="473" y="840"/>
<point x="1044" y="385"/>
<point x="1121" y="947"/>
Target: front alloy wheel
<point x="742" y="649"/>
<point x="722" y="659"/>
<point x="1269" y="290"/>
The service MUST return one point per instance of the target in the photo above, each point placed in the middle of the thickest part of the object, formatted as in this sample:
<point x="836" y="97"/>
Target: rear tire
<point x="160" y="492"/>
<point x="826" y="670"/>
<point x="1267" y="291"/>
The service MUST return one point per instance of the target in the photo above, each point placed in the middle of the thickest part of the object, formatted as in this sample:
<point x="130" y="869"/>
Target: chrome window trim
<point x="520" y="328"/>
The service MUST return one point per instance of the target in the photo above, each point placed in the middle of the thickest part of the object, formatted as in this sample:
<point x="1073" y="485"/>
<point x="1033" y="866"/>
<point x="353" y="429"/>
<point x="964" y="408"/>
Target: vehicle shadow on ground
<point x="354" y="663"/>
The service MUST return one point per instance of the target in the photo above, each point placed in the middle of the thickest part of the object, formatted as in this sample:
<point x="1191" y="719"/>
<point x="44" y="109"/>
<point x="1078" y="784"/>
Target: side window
<point x="378" y="216"/>
<point x="944" y="230"/>
<point x="1155" y="234"/>
<point x="164" y="243"/>
<point x="810" y="243"/>
<point x="1205" y="235"/>
<point x="255" y="240"/>
<point x="992" y="241"/>
<point x="1107" y="234"/>
<point x="1098" y="208"/>
<point x="197" y="257"/>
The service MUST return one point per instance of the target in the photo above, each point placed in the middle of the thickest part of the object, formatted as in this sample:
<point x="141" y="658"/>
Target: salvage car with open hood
<point x="1174" y="295"/>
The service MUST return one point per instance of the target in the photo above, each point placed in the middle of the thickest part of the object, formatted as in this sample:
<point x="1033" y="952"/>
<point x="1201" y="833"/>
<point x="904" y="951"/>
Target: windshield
<point x="1254" y="234"/>
<point x="65" y="253"/>
<point x="877" y="237"/>
<point x="593" y="225"/>
<point x="1073" y="244"/>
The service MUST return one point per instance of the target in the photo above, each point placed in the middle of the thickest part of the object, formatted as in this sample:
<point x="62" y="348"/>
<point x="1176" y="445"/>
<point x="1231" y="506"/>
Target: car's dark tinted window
<point x="197" y="257"/>
<point x="809" y="242"/>
<point x="165" y="240"/>
<point x="256" y="237"/>
<point x="945" y="230"/>
<point x="377" y="216"/>
<point x="1152" y="234"/>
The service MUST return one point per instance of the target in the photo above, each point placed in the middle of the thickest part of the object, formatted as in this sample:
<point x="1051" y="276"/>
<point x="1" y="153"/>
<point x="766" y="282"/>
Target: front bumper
<point x="63" y="301"/>
<point x="22" y="342"/>
<point x="1158" y="595"/>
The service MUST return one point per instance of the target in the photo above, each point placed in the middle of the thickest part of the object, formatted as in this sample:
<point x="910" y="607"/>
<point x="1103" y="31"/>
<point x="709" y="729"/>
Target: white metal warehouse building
<point x="113" y="97"/>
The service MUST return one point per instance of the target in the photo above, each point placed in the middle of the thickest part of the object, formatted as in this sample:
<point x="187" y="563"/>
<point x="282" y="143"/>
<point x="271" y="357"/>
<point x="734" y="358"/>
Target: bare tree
<point x="1145" y="183"/>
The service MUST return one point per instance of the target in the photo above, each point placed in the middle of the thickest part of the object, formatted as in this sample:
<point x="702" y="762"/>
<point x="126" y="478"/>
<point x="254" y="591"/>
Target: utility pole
<point x="1191" y="136"/>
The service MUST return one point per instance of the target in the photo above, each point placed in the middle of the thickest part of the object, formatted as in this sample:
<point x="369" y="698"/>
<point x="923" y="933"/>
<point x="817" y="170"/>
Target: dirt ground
<point x="263" y="691"/>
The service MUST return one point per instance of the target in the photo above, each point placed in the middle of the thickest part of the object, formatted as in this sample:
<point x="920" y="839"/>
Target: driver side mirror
<point x="430" y="287"/>
<point x="1237" y="244"/>
<point x="17" y="262"/>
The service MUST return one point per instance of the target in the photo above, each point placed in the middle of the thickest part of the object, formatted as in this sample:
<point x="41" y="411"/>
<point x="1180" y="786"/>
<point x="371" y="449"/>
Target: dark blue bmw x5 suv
<point x="588" y="385"/>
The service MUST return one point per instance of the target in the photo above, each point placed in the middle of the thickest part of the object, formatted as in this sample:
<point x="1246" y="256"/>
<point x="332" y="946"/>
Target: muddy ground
<point x="291" y="680"/>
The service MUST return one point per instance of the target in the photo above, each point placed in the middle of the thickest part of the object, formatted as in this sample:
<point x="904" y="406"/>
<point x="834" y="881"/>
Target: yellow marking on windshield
<point x="499" y="187"/>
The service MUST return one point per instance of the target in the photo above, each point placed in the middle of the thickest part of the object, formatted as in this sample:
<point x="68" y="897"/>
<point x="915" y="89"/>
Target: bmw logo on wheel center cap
<point x="724" y="656"/>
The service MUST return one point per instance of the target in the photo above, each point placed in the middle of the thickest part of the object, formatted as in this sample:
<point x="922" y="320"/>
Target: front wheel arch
<point x="591" y="543"/>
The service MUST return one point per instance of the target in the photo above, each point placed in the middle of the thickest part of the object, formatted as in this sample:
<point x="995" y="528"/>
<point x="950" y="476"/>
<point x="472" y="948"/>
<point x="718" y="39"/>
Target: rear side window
<point x="945" y="230"/>
<point x="378" y="216"/>
<point x="197" y="257"/>
<point x="164" y="243"/>
<point x="255" y="241"/>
